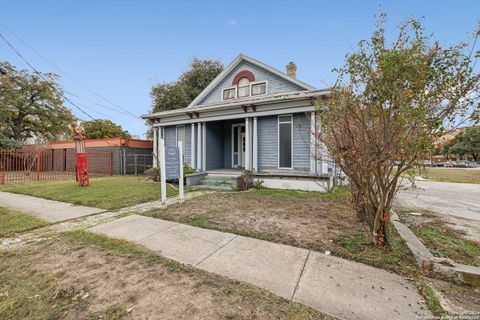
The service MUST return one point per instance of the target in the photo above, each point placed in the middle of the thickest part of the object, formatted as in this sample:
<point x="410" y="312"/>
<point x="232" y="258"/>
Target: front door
<point x="238" y="145"/>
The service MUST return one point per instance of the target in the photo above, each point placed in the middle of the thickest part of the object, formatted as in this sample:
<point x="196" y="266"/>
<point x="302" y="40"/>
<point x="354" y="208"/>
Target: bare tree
<point x="391" y="101"/>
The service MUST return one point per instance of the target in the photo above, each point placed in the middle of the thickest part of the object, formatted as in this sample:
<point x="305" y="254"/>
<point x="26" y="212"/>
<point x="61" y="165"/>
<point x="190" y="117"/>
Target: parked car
<point x="448" y="164"/>
<point x="461" y="164"/>
<point x="438" y="164"/>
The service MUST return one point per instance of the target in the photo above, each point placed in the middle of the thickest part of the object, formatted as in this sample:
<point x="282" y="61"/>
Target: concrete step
<point x="216" y="182"/>
<point x="219" y="178"/>
<point x="213" y="187"/>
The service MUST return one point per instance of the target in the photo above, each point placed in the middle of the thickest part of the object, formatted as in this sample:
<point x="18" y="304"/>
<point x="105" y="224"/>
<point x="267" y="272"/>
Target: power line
<point x="42" y="76"/>
<point x="46" y="80"/>
<point x="69" y="76"/>
<point x="98" y="104"/>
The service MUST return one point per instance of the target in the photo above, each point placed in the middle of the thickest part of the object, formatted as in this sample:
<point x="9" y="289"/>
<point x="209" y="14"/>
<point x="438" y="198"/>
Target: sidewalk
<point x="48" y="210"/>
<point x="339" y="287"/>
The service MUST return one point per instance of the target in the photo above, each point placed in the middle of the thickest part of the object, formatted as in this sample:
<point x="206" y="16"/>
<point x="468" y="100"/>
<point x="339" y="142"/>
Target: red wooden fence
<point x="33" y="165"/>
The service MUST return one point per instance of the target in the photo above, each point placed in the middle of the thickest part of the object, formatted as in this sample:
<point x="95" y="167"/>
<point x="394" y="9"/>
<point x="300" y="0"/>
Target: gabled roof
<point x="239" y="59"/>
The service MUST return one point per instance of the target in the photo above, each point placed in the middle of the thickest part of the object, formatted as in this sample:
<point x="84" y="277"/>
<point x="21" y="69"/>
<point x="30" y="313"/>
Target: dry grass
<point x="309" y="220"/>
<point x="86" y="276"/>
<point x="452" y="175"/>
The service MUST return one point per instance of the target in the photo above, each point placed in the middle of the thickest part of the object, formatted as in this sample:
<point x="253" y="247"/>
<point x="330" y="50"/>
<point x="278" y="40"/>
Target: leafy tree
<point x="30" y="107"/>
<point x="179" y="94"/>
<point x="102" y="129"/>
<point x="391" y="101"/>
<point x="8" y="144"/>
<point x="467" y="142"/>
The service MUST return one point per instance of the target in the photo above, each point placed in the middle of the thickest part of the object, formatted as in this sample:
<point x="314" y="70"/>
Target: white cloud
<point x="232" y="23"/>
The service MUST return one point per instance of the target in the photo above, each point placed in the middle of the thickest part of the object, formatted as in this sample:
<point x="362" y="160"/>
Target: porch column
<point x="155" y="148"/>
<point x="255" y="144"/>
<point x="247" y="144"/>
<point x="193" y="163"/>
<point x="313" y="144"/>
<point x="204" y="146"/>
<point x="199" y="147"/>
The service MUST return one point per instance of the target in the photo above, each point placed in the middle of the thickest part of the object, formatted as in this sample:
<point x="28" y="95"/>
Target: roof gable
<point x="277" y="81"/>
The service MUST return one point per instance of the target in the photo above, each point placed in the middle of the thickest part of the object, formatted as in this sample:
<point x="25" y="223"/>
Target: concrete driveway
<point x="458" y="203"/>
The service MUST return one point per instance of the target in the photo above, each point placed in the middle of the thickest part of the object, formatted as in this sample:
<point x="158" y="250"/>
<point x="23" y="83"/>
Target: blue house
<point x="250" y="117"/>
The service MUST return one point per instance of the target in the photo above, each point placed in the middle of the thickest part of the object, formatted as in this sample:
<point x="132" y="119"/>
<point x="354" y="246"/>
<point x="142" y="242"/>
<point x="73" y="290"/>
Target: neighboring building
<point x="128" y="156"/>
<point x="254" y="117"/>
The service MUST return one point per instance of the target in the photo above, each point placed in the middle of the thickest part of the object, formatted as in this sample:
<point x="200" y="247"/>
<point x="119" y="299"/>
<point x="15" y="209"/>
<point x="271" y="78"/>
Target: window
<point x="259" y="88"/>
<point x="285" y="141"/>
<point x="243" y="88"/>
<point x="181" y="135"/>
<point x="229" y="93"/>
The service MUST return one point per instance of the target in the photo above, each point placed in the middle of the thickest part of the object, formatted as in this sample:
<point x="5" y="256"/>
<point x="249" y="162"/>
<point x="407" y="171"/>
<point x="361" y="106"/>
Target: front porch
<point x="276" y="144"/>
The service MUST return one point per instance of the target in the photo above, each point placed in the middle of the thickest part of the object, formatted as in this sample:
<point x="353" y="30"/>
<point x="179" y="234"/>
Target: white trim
<point x="255" y="145"/>
<point x="259" y="82"/>
<point x="278" y="140"/>
<point x="271" y="99"/>
<point x="239" y="144"/>
<point x="241" y="115"/>
<point x="230" y="88"/>
<point x="247" y="144"/>
<point x="199" y="146"/>
<point x="233" y="65"/>
<point x="204" y="146"/>
<point x="155" y="148"/>
<point x="193" y="160"/>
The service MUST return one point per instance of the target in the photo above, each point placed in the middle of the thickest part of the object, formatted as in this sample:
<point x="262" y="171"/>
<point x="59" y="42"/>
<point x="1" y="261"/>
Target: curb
<point x="428" y="263"/>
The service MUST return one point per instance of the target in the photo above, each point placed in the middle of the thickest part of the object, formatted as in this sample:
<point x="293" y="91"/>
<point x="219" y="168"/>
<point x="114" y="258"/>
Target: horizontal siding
<point x="275" y="83"/>
<point x="267" y="143"/>
<point x="301" y="142"/>
<point x="170" y="136"/>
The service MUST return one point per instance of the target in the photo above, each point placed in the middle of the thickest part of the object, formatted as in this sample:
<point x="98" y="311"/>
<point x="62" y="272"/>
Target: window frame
<point x="229" y="88"/>
<point x="184" y="135"/>
<point x="291" y="139"/>
<point x="249" y="86"/>
<point x="258" y="82"/>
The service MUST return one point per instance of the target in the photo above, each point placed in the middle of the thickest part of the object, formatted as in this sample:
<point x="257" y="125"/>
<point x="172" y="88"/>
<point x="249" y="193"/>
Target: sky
<point x="119" y="49"/>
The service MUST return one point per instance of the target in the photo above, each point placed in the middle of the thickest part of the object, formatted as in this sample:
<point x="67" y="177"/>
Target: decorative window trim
<point x="243" y="74"/>
<point x="278" y="140"/>
<point x="259" y="82"/>
<point x="229" y="88"/>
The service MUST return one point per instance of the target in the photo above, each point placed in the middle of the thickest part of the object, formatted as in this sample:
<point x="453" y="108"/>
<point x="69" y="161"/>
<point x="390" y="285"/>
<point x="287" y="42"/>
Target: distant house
<point x="253" y="117"/>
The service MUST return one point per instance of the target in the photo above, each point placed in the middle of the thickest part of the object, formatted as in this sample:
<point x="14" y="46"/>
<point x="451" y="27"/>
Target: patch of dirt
<point x="457" y="297"/>
<point x="114" y="287"/>
<point x="310" y="222"/>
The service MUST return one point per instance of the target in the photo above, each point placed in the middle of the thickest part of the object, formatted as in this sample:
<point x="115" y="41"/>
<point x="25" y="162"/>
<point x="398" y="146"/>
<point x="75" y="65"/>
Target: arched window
<point x="243" y="87"/>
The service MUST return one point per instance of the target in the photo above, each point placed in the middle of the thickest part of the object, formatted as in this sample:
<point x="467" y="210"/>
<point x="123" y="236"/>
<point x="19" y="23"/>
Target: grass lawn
<point x="81" y="275"/>
<point x="442" y="240"/>
<point x="14" y="221"/>
<point x="309" y="220"/>
<point x="107" y="193"/>
<point x="452" y="175"/>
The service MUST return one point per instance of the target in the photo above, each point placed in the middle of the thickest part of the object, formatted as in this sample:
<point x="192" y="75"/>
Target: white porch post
<point x="247" y="144"/>
<point x="313" y="144"/>
<point x="255" y="144"/>
<point x="155" y="148"/>
<point x="193" y="163"/>
<point x="199" y="147"/>
<point x="204" y="146"/>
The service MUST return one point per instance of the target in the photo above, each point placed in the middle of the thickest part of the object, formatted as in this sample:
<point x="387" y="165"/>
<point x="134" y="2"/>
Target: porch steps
<point x="216" y="183"/>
